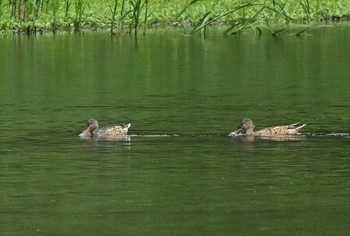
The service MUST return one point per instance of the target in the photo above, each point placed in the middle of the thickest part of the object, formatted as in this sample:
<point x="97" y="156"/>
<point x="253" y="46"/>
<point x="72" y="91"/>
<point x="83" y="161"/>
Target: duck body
<point x="92" y="130"/>
<point x="247" y="128"/>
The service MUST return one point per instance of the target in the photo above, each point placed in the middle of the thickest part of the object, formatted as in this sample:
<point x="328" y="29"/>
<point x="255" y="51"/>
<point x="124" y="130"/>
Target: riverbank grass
<point x="131" y="16"/>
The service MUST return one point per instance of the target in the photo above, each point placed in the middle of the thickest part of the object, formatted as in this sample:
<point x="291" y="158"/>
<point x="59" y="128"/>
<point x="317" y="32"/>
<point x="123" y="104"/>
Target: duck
<point x="92" y="130"/>
<point x="247" y="126"/>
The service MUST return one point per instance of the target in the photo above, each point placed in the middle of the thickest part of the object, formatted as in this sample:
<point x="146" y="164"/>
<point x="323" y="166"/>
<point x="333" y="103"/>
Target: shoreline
<point x="137" y="16"/>
<point x="185" y="25"/>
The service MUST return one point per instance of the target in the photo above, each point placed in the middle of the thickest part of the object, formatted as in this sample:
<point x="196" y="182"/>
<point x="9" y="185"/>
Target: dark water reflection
<point x="178" y="173"/>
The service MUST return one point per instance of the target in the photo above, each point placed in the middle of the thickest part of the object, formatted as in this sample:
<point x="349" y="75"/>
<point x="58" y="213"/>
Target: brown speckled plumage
<point x="116" y="130"/>
<point x="247" y="128"/>
<point x="92" y="130"/>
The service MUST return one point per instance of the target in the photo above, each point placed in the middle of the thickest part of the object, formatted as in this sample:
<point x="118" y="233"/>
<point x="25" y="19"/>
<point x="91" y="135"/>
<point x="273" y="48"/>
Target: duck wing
<point x="116" y="130"/>
<point x="280" y="130"/>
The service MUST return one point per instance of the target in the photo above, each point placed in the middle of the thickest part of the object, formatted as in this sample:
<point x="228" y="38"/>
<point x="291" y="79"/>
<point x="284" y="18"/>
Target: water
<point x="178" y="173"/>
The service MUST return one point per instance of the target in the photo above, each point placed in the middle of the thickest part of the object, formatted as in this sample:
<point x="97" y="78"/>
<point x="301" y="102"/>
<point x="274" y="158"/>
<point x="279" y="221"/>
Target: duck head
<point x="245" y="127"/>
<point x="91" y="128"/>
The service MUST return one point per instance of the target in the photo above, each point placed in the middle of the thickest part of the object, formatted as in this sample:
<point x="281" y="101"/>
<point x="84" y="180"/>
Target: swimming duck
<point x="247" y="128"/>
<point x="92" y="130"/>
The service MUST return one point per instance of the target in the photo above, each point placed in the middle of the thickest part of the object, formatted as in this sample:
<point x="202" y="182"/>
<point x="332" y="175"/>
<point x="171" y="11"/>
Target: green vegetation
<point x="130" y="16"/>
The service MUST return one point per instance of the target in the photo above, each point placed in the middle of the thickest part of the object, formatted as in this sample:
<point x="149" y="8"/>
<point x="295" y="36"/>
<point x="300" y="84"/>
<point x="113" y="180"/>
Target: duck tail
<point x="297" y="126"/>
<point x="126" y="125"/>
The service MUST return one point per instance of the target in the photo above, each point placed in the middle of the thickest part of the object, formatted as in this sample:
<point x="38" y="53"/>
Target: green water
<point x="178" y="173"/>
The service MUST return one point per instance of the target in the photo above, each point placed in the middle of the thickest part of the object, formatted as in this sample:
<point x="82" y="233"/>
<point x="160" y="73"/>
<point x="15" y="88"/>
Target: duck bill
<point x="85" y="133"/>
<point x="236" y="132"/>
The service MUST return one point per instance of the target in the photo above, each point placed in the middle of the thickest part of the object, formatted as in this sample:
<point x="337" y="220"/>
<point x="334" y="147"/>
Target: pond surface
<point x="178" y="173"/>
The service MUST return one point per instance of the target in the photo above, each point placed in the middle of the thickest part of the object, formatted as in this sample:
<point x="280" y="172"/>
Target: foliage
<point x="131" y="15"/>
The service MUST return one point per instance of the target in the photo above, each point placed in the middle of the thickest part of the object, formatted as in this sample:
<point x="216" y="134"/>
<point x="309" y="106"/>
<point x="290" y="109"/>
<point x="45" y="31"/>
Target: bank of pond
<point x="138" y="16"/>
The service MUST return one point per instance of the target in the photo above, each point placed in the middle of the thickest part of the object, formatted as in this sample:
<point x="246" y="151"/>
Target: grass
<point x="130" y="16"/>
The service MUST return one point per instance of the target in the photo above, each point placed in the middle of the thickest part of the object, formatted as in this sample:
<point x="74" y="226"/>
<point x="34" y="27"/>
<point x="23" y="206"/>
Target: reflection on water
<point x="121" y="138"/>
<point x="177" y="172"/>
<point x="280" y="138"/>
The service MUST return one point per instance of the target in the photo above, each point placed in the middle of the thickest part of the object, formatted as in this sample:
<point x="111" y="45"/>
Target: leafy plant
<point x="79" y="12"/>
<point x="205" y="21"/>
<point x="114" y="12"/>
<point x="305" y="4"/>
<point x="193" y="15"/>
